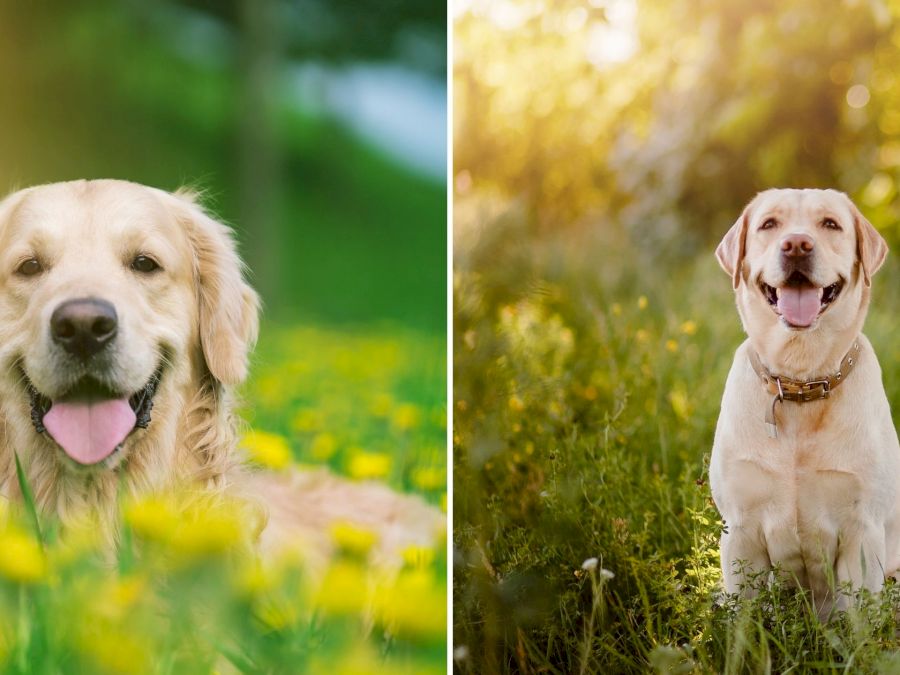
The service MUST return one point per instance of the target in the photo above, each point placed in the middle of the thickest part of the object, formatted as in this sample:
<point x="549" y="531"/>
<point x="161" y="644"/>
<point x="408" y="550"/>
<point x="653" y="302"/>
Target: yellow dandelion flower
<point x="418" y="556"/>
<point x="153" y="518"/>
<point x="672" y="346"/>
<point x="429" y="478"/>
<point x="323" y="447"/>
<point x="406" y="416"/>
<point x="267" y="449"/>
<point x="366" y="465"/>
<point x="642" y="302"/>
<point x="681" y="405"/>
<point x="194" y="526"/>
<point x="207" y="534"/>
<point x="344" y="589"/>
<point x="689" y="327"/>
<point x="414" y="607"/>
<point x="21" y="558"/>
<point x="356" y="541"/>
<point x="516" y="404"/>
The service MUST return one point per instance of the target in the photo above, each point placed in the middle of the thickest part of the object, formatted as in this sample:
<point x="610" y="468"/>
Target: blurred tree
<point x="670" y="115"/>
<point x="259" y="170"/>
<point x="343" y="30"/>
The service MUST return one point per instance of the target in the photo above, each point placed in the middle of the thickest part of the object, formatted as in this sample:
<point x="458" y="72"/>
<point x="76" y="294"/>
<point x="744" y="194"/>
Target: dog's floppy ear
<point x="730" y="251"/>
<point x="229" y="308"/>
<point x="871" y="248"/>
<point x="11" y="202"/>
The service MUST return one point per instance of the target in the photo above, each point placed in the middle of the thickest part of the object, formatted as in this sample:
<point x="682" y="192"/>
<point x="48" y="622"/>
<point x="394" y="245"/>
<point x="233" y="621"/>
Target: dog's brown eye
<point x="768" y="224"/>
<point x="830" y="224"/>
<point x="30" y="267"/>
<point x="144" y="264"/>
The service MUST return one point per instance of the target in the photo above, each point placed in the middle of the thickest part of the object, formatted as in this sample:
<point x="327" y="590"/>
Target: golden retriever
<point x="125" y="321"/>
<point x="819" y="494"/>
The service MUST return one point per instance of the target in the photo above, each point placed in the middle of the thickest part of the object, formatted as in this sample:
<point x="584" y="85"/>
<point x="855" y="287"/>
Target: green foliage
<point x="587" y="385"/>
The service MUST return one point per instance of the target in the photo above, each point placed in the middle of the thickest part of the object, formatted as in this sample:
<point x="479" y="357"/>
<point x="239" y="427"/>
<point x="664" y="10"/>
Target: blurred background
<point x="601" y="150"/>
<point x="666" y="117"/>
<point x="316" y="128"/>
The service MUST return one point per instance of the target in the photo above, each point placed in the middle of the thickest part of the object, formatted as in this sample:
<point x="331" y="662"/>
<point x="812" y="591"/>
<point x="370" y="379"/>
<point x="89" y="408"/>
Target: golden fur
<point x="199" y="318"/>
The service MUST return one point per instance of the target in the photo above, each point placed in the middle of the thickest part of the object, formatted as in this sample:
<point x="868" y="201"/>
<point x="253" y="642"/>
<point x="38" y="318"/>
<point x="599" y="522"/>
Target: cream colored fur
<point x="198" y="315"/>
<point x="822" y="500"/>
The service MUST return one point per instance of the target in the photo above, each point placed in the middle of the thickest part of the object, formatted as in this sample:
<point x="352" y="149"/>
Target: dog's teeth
<point x="777" y="292"/>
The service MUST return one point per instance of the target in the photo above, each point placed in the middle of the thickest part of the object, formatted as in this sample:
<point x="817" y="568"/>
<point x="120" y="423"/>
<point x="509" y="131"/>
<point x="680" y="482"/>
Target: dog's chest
<point x="803" y="488"/>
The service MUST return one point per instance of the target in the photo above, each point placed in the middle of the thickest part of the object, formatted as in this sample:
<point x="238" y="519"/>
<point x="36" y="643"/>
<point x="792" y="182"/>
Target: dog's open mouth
<point x="799" y="301"/>
<point x="90" y="422"/>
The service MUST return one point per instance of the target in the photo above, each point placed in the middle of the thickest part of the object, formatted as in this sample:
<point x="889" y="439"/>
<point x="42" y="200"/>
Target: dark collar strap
<point x="786" y="389"/>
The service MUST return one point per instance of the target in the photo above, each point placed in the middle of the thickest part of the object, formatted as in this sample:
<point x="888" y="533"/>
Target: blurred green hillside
<point x="171" y="93"/>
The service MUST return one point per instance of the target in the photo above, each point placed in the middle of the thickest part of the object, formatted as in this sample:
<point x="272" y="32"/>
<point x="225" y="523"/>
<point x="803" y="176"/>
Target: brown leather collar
<point x="786" y="389"/>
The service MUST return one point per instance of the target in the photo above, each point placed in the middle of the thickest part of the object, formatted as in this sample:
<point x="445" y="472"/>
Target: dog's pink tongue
<point x="799" y="305"/>
<point x="90" y="431"/>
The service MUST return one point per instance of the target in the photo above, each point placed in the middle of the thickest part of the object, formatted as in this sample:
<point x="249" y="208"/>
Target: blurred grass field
<point x="587" y="386"/>
<point x="185" y="594"/>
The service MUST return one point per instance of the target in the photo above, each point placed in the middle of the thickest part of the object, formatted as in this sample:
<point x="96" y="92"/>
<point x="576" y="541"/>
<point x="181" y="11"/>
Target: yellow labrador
<point x="125" y="321"/>
<point x="805" y="466"/>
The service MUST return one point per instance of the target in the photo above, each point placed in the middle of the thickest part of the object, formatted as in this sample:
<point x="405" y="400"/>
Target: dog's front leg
<point x="860" y="562"/>
<point x="743" y="552"/>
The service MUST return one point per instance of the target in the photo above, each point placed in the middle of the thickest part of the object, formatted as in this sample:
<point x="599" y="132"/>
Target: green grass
<point x="587" y="386"/>
<point x="185" y="594"/>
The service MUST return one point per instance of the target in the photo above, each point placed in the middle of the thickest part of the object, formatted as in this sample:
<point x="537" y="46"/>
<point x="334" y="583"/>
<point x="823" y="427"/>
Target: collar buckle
<point x="825" y="384"/>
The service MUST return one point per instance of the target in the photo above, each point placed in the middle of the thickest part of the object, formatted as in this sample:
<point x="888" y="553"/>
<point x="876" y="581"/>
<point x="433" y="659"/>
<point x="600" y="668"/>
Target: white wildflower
<point x="590" y="564"/>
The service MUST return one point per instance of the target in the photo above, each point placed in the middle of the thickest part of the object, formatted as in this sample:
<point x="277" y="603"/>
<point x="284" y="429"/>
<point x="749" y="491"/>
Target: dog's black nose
<point x="85" y="326"/>
<point x="797" y="245"/>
